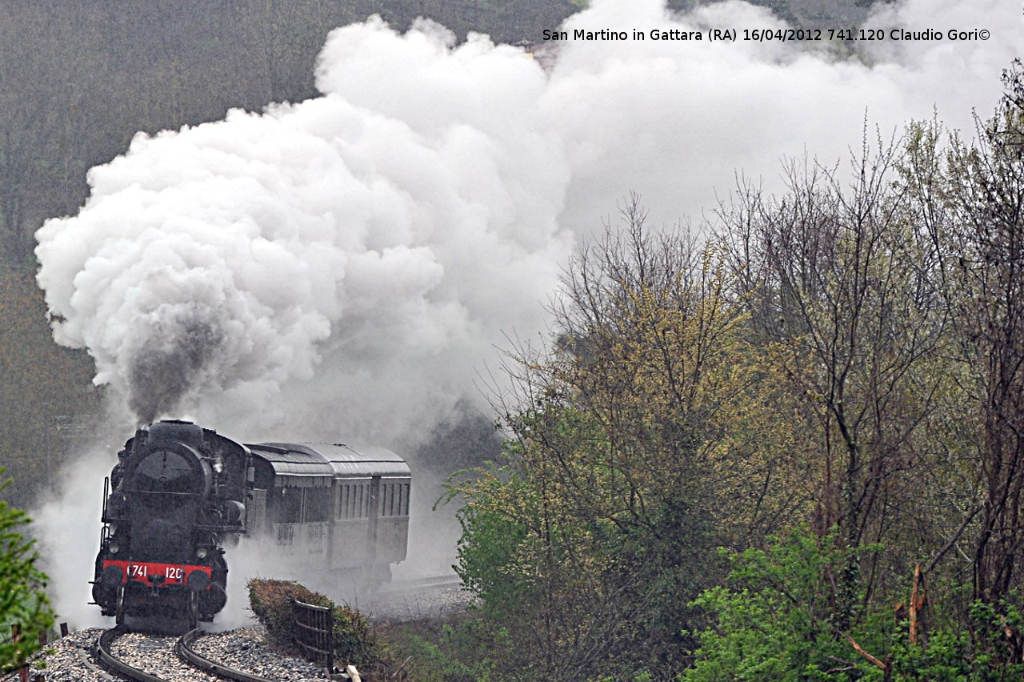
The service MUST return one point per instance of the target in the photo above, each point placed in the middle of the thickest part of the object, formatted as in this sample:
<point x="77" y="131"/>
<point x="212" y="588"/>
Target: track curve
<point x="114" y="664"/>
<point x="182" y="647"/>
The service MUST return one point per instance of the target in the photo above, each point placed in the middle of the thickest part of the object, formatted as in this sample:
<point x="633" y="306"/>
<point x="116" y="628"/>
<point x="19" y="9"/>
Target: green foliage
<point x="270" y="601"/>
<point x="355" y="641"/>
<point x="774" y="618"/>
<point x="23" y="601"/>
<point x="454" y="651"/>
<point x="493" y="549"/>
<point x="988" y="649"/>
<point x="561" y="588"/>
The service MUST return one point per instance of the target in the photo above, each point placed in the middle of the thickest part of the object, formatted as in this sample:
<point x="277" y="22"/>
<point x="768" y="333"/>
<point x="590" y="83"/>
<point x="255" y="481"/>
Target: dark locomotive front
<point x="177" y="493"/>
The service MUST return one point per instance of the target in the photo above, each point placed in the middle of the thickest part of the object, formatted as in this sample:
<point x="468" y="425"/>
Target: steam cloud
<point x="375" y="248"/>
<point x="346" y="264"/>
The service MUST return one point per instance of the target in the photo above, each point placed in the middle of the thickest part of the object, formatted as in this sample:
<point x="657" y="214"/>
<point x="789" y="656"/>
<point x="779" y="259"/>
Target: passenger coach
<point x="341" y="507"/>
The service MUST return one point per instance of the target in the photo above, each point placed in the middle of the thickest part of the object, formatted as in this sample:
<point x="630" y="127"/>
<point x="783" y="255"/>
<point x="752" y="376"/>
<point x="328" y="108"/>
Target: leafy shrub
<point x="774" y="617"/>
<point x="987" y="648"/>
<point x="270" y="601"/>
<point x="455" y="648"/>
<point x="23" y="602"/>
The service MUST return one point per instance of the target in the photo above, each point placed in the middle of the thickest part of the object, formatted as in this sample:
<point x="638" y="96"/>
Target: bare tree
<point x="840" y="282"/>
<point x="985" y="194"/>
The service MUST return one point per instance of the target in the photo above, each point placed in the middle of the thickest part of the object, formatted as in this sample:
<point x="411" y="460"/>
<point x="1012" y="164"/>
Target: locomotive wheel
<point x="193" y="610"/>
<point x="119" y="610"/>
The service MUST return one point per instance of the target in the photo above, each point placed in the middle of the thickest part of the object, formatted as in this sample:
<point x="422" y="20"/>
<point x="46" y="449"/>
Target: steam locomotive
<point x="180" y="492"/>
<point x="175" y="493"/>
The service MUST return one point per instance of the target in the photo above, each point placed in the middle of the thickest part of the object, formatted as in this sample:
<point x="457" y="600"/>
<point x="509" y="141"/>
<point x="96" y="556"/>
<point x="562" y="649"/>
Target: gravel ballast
<point x="70" y="659"/>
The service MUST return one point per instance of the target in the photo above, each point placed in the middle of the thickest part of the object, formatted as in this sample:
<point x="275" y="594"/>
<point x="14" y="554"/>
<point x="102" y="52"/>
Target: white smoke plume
<point x="348" y="263"/>
<point x="213" y="266"/>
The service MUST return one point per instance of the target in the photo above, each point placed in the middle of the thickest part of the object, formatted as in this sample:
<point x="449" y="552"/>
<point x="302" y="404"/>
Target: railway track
<point x="417" y="599"/>
<point x="431" y="583"/>
<point x="240" y="654"/>
<point x="183" y="648"/>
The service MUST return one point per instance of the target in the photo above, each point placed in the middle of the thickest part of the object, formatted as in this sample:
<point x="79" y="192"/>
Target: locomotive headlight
<point x="114" y="548"/>
<point x="201" y="552"/>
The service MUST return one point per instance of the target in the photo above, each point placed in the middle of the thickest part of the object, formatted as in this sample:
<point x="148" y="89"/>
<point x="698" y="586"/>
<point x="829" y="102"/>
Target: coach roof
<point x="330" y="459"/>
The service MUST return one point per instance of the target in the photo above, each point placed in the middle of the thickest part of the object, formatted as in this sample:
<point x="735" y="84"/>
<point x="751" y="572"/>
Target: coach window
<point x="317" y="506"/>
<point x="352" y="491"/>
<point x="344" y="501"/>
<point x="289" y="504"/>
<point x="353" y="501"/>
<point x="394" y="499"/>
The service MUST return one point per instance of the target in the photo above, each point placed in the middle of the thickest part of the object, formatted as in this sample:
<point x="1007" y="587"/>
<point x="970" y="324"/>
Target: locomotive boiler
<point x="177" y="493"/>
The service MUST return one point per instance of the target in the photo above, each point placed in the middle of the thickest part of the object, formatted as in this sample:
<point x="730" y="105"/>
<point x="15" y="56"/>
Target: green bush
<point x="23" y="601"/>
<point x="987" y="648"/>
<point x="456" y="648"/>
<point x="270" y="601"/>
<point x="774" y="619"/>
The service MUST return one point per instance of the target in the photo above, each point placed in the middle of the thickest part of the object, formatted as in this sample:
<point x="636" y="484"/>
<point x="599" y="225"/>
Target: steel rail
<point x="429" y="584"/>
<point x="183" y="647"/>
<point x="115" y="664"/>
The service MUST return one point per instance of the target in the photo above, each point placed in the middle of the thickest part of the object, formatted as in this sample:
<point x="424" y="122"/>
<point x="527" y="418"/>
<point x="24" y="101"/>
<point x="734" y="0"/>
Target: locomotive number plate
<point x="137" y="570"/>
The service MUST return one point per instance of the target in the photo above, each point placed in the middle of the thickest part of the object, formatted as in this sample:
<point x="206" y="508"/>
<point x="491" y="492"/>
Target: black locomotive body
<point x="176" y="494"/>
